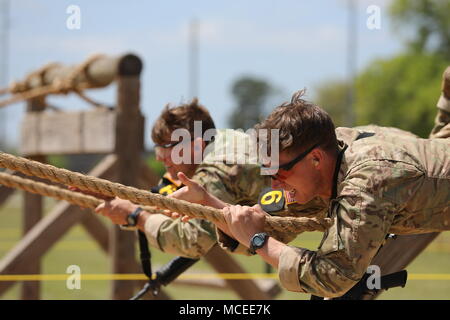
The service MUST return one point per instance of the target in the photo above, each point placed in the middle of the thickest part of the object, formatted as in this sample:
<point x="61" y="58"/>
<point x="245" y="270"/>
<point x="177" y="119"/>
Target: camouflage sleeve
<point x="233" y="184"/>
<point x="361" y="221"/>
<point x="191" y="239"/>
<point x="213" y="180"/>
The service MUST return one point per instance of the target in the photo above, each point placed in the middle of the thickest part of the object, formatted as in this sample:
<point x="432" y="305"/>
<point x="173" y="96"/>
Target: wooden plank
<point x="246" y="289"/>
<point x="98" y="131"/>
<point x="97" y="230"/>
<point x="59" y="132"/>
<point x="29" y="134"/>
<point x="68" y="132"/>
<point x="128" y="148"/>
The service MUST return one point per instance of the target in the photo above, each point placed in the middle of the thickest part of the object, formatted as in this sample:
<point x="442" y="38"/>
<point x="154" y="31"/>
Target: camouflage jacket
<point x="224" y="174"/>
<point x="388" y="181"/>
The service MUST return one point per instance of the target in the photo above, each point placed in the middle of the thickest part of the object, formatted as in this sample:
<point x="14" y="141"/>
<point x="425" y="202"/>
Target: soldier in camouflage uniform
<point x="374" y="180"/>
<point x="226" y="171"/>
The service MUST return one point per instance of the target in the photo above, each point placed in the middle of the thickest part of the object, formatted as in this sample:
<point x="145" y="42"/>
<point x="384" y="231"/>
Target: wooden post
<point x="129" y="146"/>
<point x="32" y="212"/>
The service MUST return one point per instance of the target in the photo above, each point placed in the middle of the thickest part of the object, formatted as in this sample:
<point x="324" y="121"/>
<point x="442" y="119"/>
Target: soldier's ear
<point x="315" y="158"/>
<point x="315" y="162"/>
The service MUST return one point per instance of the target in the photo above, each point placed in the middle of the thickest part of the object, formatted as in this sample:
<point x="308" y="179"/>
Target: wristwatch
<point x="132" y="219"/>
<point x="258" y="241"/>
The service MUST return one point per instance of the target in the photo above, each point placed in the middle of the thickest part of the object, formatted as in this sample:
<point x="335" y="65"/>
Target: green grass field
<point x="78" y="248"/>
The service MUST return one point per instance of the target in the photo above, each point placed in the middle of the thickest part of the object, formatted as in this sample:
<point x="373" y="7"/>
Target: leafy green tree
<point x="426" y="23"/>
<point x="332" y="96"/>
<point x="401" y="92"/>
<point x="251" y="95"/>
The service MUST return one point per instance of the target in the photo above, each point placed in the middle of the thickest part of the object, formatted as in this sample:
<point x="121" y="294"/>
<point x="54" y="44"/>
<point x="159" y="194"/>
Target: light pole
<point x="352" y="45"/>
<point x="193" y="58"/>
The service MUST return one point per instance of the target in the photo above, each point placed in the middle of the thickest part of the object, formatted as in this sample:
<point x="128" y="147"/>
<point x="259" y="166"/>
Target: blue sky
<point x="291" y="43"/>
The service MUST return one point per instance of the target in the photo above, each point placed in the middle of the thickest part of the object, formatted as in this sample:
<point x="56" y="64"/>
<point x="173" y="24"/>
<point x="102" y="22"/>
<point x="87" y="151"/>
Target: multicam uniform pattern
<point x="388" y="182"/>
<point x="224" y="175"/>
<point x="442" y="122"/>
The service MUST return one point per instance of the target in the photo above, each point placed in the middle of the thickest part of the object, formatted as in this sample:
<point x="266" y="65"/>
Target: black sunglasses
<point x="169" y="145"/>
<point x="289" y="165"/>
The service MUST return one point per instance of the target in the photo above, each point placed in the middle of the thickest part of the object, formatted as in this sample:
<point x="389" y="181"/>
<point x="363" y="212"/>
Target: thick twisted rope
<point x="108" y="188"/>
<point x="73" y="197"/>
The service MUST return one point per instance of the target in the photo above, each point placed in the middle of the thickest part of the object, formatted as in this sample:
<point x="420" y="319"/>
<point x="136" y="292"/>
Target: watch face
<point x="258" y="241"/>
<point x="130" y="220"/>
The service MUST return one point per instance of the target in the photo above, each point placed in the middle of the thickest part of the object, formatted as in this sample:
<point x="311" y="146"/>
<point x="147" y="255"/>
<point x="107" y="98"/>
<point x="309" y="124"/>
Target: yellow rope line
<point x="190" y="276"/>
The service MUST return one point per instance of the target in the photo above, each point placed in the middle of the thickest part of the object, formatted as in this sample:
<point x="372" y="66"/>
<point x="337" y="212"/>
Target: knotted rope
<point x="142" y="197"/>
<point x="21" y="90"/>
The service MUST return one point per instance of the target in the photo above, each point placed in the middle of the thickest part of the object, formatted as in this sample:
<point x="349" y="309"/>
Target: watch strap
<point x="134" y="215"/>
<point x="253" y="247"/>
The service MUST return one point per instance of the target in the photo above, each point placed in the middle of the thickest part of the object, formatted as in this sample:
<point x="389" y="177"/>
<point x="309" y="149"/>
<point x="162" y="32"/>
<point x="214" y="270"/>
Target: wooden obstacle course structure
<point x="45" y="133"/>
<point x="119" y="134"/>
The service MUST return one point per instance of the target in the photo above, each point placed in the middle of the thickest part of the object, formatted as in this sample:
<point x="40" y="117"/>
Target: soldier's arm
<point x="222" y="186"/>
<point x="361" y="222"/>
<point x="192" y="239"/>
<point x="277" y="202"/>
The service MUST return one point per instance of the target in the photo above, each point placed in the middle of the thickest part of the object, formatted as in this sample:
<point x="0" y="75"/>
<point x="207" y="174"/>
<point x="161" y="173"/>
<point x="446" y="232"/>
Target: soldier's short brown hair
<point x="180" y="117"/>
<point x="301" y="125"/>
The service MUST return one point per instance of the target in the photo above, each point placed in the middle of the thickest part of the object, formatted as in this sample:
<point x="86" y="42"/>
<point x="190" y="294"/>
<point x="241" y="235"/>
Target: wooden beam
<point x="99" y="73"/>
<point x="97" y="230"/>
<point x="223" y="263"/>
<point x="129" y="147"/>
